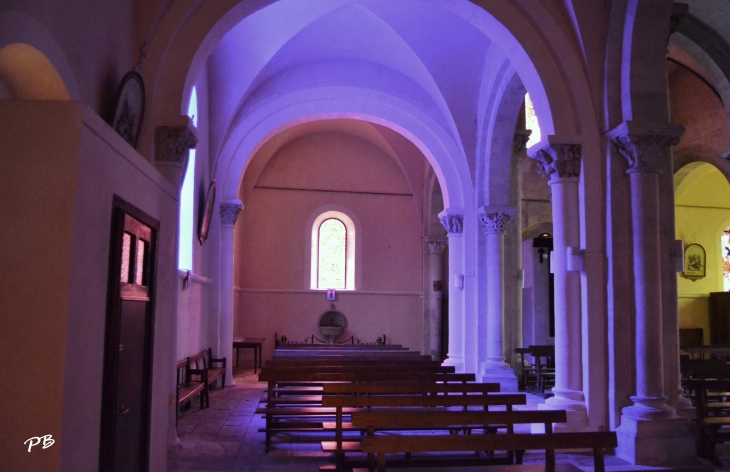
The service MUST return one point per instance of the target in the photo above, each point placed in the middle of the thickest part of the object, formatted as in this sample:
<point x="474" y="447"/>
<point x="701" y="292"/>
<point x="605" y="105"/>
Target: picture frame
<point x="129" y="108"/>
<point x="331" y="294"/>
<point x="695" y="260"/>
<point x="207" y="214"/>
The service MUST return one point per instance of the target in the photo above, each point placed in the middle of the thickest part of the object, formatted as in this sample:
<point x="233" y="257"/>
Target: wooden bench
<point x="274" y="377"/>
<point x="336" y="367"/>
<point x="400" y="397"/>
<point x="440" y="420"/>
<point x="598" y="441"/>
<point x="187" y="388"/>
<point x="709" y="414"/>
<point x="318" y="361"/>
<point x="204" y="360"/>
<point x="343" y="347"/>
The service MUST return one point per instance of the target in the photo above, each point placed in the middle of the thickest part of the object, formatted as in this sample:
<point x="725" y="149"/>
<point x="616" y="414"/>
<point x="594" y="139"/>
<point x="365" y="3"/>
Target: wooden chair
<point x="544" y="357"/>
<point x="526" y="372"/>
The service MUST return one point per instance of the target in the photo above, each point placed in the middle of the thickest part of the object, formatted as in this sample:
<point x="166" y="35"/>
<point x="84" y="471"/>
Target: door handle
<point x="123" y="410"/>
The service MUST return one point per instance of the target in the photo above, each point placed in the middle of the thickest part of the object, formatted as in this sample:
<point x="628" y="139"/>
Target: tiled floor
<point x="225" y="437"/>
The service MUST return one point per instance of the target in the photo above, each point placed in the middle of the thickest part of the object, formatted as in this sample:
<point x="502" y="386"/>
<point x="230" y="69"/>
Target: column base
<point x="504" y="376"/>
<point x="456" y="361"/>
<point x="229" y="376"/>
<point x="656" y="442"/>
<point x="572" y="401"/>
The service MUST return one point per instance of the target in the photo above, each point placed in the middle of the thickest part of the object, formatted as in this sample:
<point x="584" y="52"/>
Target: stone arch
<point x="643" y="60"/>
<point x="29" y="75"/>
<point x="684" y="164"/>
<point x="499" y="148"/>
<point x="32" y="61"/>
<point x="535" y="230"/>
<point x="187" y="34"/>
<point x="700" y="48"/>
<point x="307" y="105"/>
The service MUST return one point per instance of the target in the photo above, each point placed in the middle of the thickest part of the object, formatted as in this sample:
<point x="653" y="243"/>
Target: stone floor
<point x="225" y="437"/>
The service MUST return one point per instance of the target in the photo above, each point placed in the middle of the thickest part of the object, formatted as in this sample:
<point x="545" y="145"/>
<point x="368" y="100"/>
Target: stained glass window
<point x="531" y="122"/>
<point x="331" y="264"/>
<point x="725" y="248"/>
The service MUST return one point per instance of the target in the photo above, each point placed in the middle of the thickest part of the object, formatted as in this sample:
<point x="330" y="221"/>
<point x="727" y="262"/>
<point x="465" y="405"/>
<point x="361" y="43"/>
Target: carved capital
<point x="559" y="160"/>
<point x="453" y="222"/>
<point x="642" y="145"/>
<point x="436" y="246"/>
<point x="172" y="142"/>
<point x="496" y="220"/>
<point x="519" y="143"/>
<point x="230" y="211"/>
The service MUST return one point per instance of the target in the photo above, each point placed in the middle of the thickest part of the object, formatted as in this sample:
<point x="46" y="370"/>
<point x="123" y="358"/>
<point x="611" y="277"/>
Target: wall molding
<point x="322" y="292"/>
<point x="694" y="295"/>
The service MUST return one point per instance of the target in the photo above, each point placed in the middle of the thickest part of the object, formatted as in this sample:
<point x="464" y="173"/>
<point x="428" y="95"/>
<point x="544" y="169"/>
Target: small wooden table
<point x="250" y="343"/>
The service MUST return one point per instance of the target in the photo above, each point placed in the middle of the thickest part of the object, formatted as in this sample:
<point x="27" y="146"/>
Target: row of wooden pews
<point x="707" y="384"/>
<point x="381" y="400"/>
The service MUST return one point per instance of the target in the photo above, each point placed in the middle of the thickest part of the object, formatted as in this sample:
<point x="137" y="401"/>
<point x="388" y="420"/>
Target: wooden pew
<point x="445" y="420"/>
<point x="403" y="397"/>
<point x="598" y="441"/>
<point x="335" y="347"/>
<point x="272" y="411"/>
<point x="187" y="388"/>
<point x="360" y="354"/>
<point x="403" y="357"/>
<point x="710" y="397"/>
<point x="336" y="367"/>
<point x="344" y="361"/>
<point x="204" y="360"/>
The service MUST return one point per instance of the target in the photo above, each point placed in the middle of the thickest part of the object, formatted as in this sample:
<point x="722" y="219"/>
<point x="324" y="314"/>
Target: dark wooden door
<point x="128" y="343"/>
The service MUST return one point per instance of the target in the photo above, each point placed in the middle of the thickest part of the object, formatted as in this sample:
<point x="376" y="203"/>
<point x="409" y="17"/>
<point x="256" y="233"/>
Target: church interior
<point x="460" y="177"/>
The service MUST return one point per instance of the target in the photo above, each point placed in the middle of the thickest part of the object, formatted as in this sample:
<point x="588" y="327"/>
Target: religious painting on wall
<point x="207" y="214"/>
<point x="694" y="262"/>
<point x="129" y="111"/>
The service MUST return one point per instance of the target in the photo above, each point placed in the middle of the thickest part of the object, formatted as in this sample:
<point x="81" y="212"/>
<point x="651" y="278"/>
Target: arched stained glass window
<point x="531" y="122"/>
<point x="332" y="254"/>
<point x="725" y="248"/>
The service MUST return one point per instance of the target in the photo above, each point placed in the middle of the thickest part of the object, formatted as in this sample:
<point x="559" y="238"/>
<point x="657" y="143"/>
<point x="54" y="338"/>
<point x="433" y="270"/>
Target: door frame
<point x="112" y="329"/>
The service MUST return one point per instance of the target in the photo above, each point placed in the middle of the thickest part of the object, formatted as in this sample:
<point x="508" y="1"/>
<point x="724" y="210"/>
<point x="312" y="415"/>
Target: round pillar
<point x="493" y="368"/>
<point x="229" y="212"/>
<point x="454" y="224"/>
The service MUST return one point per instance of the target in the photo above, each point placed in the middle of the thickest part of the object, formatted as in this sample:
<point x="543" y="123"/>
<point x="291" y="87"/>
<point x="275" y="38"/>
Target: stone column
<point x="650" y="432"/>
<point x="436" y="247"/>
<point x="454" y="224"/>
<point x="229" y="212"/>
<point x="561" y="162"/>
<point x="493" y="368"/>
<point x="171" y="149"/>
